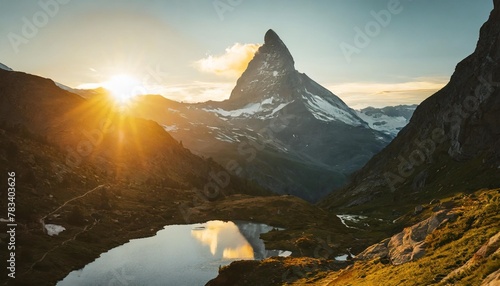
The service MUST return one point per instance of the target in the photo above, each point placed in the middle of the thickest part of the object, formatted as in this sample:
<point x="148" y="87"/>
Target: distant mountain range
<point x="390" y="119"/>
<point x="279" y="128"/>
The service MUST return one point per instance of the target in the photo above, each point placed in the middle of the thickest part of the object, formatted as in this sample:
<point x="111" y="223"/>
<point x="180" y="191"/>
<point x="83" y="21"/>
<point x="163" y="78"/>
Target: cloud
<point x="198" y="91"/>
<point x="362" y="94"/>
<point x="231" y="64"/>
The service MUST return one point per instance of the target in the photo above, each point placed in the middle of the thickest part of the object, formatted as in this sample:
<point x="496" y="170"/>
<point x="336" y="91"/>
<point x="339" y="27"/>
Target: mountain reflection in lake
<point x="176" y="255"/>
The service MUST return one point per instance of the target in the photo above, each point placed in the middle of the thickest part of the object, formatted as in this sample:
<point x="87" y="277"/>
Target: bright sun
<point x="123" y="87"/>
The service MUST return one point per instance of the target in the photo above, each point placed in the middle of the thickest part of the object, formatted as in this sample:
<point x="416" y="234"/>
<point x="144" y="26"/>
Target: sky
<point x="367" y="52"/>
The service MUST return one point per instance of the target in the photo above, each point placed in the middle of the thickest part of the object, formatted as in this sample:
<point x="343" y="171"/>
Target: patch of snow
<point x="225" y="138"/>
<point x="170" y="128"/>
<point x="324" y="110"/>
<point x="280" y="107"/>
<point x="267" y="101"/>
<point x="54" y="229"/>
<point x="249" y="109"/>
<point x="285" y="253"/>
<point x="350" y="218"/>
<point x="275" y="73"/>
<point x="342" y="257"/>
<point x="175" y="110"/>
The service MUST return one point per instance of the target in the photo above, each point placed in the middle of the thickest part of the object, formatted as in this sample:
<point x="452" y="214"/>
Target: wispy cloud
<point x="231" y="64"/>
<point x="362" y="94"/>
<point x="198" y="91"/>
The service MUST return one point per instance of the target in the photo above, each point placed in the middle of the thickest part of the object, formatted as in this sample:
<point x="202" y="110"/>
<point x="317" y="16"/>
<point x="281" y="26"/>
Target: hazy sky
<point x="194" y="50"/>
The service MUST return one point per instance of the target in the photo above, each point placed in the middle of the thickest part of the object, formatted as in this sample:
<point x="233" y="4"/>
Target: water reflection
<point x="224" y="239"/>
<point x="177" y="255"/>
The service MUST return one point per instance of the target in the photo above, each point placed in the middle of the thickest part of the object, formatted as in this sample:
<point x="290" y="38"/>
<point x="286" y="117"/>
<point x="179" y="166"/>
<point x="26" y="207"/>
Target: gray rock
<point x="408" y="245"/>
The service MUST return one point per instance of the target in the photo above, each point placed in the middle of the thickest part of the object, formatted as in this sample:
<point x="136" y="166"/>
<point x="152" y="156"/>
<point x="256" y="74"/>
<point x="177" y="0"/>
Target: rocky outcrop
<point x="491" y="247"/>
<point x="408" y="245"/>
<point x="492" y="280"/>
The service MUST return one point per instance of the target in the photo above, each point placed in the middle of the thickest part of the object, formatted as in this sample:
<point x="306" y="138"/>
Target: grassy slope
<point x="449" y="247"/>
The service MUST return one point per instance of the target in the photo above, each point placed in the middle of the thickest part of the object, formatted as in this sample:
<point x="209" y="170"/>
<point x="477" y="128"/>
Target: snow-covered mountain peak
<point x="271" y="76"/>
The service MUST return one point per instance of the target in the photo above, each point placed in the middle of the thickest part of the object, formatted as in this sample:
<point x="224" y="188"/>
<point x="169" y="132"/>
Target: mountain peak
<point x="274" y="45"/>
<point x="271" y="38"/>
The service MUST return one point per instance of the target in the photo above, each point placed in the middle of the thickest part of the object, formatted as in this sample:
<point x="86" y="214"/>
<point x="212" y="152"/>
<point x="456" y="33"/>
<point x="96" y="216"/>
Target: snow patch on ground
<point x="265" y="108"/>
<point x="342" y="257"/>
<point x="170" y="128"/>
<point x="174" y="110"/>
<point x="350" y="218"/>
<point x="279" y="107"/>
<point x="284" y="253"/>
<point x="267" y="101"/>
<point x="54" y="229"/>
<point x="226" y="138"/>
<point x="249" y="109"/>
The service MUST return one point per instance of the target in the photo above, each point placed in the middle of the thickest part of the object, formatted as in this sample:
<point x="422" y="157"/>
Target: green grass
<point x="449" y="247"/>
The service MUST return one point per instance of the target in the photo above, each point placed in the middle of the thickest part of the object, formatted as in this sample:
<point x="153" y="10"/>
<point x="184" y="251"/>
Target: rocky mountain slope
<point x="91" y="131"/>
<point x="451" y="144"/>
<point x="278" y="128"/>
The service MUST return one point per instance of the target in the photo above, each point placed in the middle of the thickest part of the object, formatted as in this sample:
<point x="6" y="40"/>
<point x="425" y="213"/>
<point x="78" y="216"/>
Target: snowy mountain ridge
<point x="389" y="120"/>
